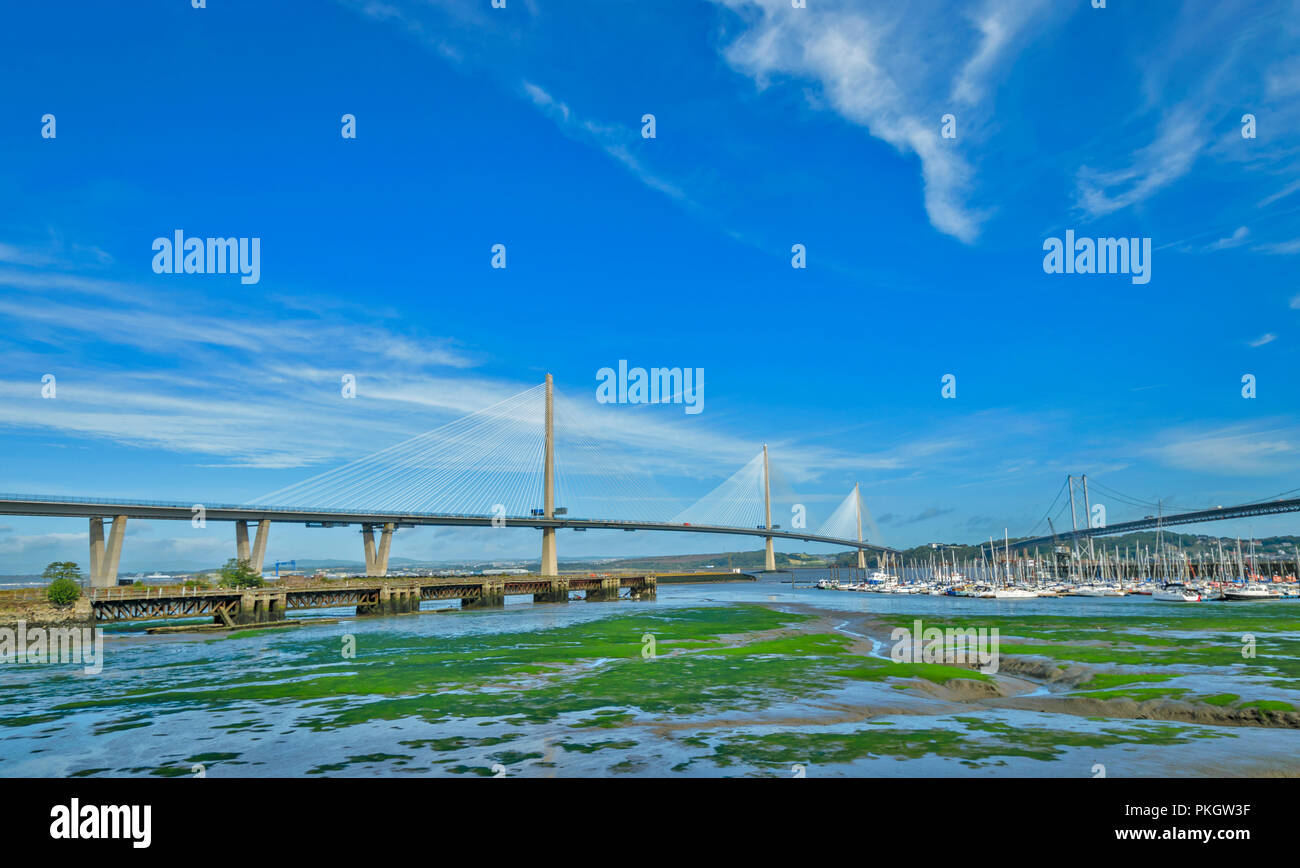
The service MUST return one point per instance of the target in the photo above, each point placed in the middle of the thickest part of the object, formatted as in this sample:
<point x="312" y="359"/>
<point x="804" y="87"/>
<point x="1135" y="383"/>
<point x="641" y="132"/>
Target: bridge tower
<point x="769" y="557"/>
<point x="857" y="500"/>
<point x="550" y="564"/>
<point x="558" y="588"/>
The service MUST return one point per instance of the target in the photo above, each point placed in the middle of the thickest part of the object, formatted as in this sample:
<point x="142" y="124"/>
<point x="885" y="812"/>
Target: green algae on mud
<point x="1268" y="638"/>
<point x="248" y="634"/>
<point x="389" y="664"/>
<point x="739" y="657"/>
<point x="707" y="663"/>
<point x="981" y="741"/>
<point x="594" y="746"/>
<point x="1107" y="680"/>
<point x="525" y="677"/>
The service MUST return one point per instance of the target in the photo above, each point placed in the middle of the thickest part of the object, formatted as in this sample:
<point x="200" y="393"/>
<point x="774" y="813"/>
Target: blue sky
<point x="774" y="126"/>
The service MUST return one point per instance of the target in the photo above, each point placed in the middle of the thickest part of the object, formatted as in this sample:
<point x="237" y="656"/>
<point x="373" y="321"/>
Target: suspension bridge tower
<point x="550" y="563"/>
<point x="769" y="557"/>
<point x="857" y="503"/>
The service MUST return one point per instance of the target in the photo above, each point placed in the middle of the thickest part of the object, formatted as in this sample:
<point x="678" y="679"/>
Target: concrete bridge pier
<point x="373" y="608"/>
<point x="648" y="589"/>
<point x="277" y="607"/>
<point x="392" y="601"/>
<point x="377" y="561"/>
<point x="408" y="600"/>
<point x="607" y="592"/>
<point x="492" y="597"/>
<point x="257" y="606"/>
<point x="104" y="559"/>
<point x="256" y="556"/>
<point x="558" y="592"/>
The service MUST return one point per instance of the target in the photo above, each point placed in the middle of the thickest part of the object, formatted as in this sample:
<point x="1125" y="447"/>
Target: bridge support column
<point x="104" y="559"/>
<point x="862" y="559"/>
<point x="385" y="545"/>
<point x="647" y="590"/>
<point x="96" y="551"/>
<point x="373" y="607"/>
<point x="550" y="561"/>
<point x="241" y="541"/>
<point x="259" y="545"/>
<point x="259" y="607"/>
<point x="377" y="561"/>
<point x="558" y="592"/>
<point x="492" y="597"/>
<point x="246" y="613"/>
<point x="769" y="556"/>
<point x="277" y="606"/>
<point x="392" y="601"/>
<point x="607" y="592"/>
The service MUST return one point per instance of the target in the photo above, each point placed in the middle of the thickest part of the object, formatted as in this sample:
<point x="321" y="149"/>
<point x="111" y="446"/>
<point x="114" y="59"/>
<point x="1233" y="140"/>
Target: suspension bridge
<point x="496" y="468"/>
<point x="1093" y="524"/>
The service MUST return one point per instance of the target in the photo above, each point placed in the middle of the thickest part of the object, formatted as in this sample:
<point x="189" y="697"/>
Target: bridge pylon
<point x="559" y="590"/>
<point x="769" y="556"/>
<point x="857" y="501"/>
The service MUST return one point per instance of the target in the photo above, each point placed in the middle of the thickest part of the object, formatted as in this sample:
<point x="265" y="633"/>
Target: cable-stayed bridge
<point x="507" y="466"/>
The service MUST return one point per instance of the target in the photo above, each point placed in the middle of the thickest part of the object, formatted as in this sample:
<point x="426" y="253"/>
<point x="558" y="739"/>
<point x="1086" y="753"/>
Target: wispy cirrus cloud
<point x="1262" y="449"/>
<point x="1178" y="144"/>
<point x="231" y="389"/>
<point x="1213" y="71"/>
<point x="889" y="69"/>
<point x="1280" y="248"/>
<point x="1236" y="239"/>
<point x="614" y="140"/>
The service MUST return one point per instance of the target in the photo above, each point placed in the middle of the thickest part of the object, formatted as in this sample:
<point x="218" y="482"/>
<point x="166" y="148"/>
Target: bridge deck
<point x="39" y="505"/>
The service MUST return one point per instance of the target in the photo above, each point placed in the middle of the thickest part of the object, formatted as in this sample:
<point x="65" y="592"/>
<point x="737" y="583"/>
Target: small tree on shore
<point x="240" y="574"/>
<point x="65" y="582"/>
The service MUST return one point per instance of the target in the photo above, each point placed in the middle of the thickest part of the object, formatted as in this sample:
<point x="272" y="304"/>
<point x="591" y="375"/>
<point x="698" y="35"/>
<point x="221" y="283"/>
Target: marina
<point x="1164" y="575"/>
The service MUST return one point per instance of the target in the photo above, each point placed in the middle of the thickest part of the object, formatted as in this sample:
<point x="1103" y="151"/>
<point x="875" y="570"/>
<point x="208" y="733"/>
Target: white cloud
<point x="232" y="390"/>
<point x="1280" y="248"/>
<point x="891" y="70"/>
<point x="1280" y="194"/>
<point x="1236" y="239"/>
<point x="1263" y="339"/>
<point x="1238" y="449"/>
<point x="611" y="139"/>
<point x="1154" y="167"/>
